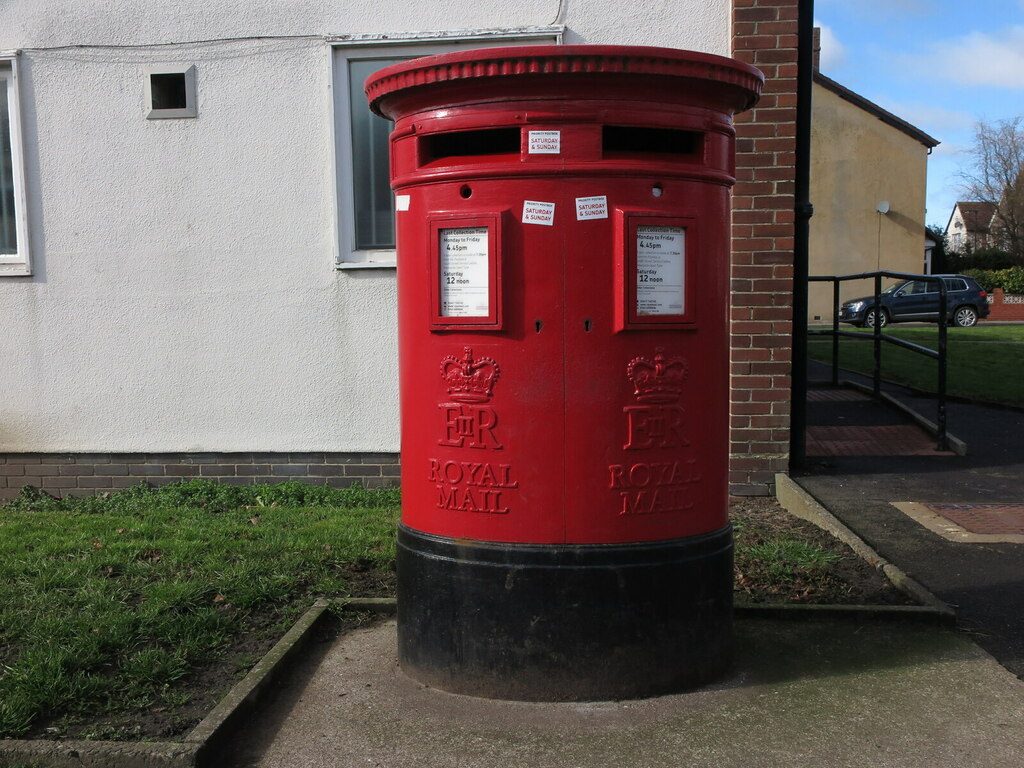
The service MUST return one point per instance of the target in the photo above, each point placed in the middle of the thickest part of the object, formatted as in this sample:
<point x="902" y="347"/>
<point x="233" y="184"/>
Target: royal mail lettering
<point x="470" y="500"/>
<point x="470" y="486"/>
<point x="642" y="474"/>
<point x="472" y="473"/>
<point x="651" y="487"/>
<point x="658" y="500"/>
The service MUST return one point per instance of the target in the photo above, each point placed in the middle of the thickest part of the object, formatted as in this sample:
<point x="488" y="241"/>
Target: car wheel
<point x="869" y="319"/>
<point x="965" y="317"/>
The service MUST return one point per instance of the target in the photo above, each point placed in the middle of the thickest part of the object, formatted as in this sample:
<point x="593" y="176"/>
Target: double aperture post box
<point x="563" y="256"/>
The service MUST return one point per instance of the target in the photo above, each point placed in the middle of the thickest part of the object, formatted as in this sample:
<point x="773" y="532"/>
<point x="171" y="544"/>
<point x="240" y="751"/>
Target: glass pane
<point x="8" y="232"/>
<point x="374" y="204"/>
<point x="465" y="272"/>
<point x="660" y="270"/>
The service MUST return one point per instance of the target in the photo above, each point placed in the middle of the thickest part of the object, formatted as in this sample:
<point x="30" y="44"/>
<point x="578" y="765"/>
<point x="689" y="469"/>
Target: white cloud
<point x="977" y="58"/>
<point x="833" y="52"/>
<point x="950" y="150"/>
<point x="946" y="125"/>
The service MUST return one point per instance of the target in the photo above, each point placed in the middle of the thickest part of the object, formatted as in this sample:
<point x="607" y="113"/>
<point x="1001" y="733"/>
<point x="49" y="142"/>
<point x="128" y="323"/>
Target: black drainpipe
<point x="804" y="210"/>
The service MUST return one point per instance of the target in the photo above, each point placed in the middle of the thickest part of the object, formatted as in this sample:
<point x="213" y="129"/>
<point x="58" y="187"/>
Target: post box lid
<point x="736" y="84"/>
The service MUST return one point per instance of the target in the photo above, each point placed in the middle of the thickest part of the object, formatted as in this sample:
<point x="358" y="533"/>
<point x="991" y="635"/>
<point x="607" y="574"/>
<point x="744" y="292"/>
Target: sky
<point x="941" y="65"/>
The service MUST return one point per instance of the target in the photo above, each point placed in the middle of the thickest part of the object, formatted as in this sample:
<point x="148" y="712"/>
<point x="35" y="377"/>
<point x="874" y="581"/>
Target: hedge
<point x="1010" y="280"/>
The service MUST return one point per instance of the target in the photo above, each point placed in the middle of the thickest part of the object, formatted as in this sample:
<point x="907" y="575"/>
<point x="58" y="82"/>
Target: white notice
<point x="544" y="142"/>
<point x="659" y="270"/>
<point x="465" y="272"/>
<point x="591" y="208"/>
<point x="538" y="213"/>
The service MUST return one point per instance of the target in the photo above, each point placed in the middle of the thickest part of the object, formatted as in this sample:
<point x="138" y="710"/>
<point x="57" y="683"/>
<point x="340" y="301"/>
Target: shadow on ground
<point x="804" y="693"/>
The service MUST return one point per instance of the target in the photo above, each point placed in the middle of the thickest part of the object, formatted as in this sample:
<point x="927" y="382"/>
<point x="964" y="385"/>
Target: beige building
<point x="868" y="172"/>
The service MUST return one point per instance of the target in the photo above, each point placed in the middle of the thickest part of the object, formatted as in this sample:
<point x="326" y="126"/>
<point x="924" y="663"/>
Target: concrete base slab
<point x="804" y="693"/>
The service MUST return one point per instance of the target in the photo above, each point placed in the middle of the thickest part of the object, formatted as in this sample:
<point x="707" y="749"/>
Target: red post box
<point x="563" y="243"/>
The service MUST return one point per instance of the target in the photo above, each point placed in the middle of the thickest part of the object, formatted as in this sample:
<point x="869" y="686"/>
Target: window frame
<point x="339" y="53"/>
<point x="626" y="222"/>
<point x="19" y="263"/>
<point x="188" y="73"/>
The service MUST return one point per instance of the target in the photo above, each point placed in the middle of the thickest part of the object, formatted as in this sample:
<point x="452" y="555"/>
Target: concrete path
<point x="984" y="582"/>
<point x="805" y="693"/>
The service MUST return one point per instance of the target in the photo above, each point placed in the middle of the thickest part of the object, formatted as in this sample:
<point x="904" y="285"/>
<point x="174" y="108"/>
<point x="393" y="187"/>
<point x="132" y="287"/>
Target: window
<point x="14" y="255"/>
<point x="373" y="206"/>
<point x="917" y="287"/>
<point x="365" y="202"/>
<point x="170" y="92"/>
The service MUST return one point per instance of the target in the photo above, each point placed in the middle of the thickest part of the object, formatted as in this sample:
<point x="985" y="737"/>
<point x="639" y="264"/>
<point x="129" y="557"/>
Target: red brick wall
<point x="765" y="35"/>
<point x="82" y="474"/>
<point x="1003" y="311"/>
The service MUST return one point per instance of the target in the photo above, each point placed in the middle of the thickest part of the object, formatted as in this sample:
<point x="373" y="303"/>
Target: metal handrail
<point x="878" y="337"/>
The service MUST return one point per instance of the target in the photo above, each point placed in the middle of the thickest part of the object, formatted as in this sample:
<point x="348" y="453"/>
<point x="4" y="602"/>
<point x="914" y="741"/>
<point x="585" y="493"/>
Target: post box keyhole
<point x="586" y="325"/>
<point x="538" y="324"/>
<point x="466" y="191"/>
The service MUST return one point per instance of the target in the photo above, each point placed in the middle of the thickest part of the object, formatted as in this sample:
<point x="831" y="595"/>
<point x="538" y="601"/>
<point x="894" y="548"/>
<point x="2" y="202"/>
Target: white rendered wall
<point x="184" y="295"/>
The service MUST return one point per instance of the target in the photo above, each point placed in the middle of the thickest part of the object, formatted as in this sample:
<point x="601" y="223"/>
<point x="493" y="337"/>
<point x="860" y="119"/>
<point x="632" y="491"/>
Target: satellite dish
<point x="883" y="206"/>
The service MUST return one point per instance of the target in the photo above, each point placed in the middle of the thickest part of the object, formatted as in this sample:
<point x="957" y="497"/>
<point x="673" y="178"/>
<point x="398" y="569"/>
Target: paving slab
<point x="804" y="693"/>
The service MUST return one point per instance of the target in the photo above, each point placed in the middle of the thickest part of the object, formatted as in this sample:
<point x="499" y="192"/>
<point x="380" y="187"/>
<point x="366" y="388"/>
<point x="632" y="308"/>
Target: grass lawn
<point x="114" y="608"/>
<point x="128" y="615"/>
<point x="985" y="363"/>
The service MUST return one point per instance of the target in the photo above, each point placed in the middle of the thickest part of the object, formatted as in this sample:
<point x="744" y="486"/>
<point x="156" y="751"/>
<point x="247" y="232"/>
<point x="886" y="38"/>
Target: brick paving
<point x="881" y="440"/>
<point x="983" y="518"/>
<point x="835" y="396"/>
<point x="848" y="422"/>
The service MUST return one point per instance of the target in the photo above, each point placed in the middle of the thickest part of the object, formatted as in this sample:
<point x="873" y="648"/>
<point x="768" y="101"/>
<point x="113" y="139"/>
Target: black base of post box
<point x="564" y="622"/>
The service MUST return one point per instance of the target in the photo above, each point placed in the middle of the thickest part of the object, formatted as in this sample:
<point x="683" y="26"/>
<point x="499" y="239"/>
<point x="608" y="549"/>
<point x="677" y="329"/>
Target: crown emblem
<point x="659" y="380"/>
<point x="469" y="380"/>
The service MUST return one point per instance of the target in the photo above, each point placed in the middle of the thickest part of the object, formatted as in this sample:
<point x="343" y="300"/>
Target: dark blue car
<point x="918" y="300"/>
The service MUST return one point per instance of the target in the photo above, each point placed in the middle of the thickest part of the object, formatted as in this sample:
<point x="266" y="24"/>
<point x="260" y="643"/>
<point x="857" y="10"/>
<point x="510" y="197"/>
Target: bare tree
<point x="996" y="175"/>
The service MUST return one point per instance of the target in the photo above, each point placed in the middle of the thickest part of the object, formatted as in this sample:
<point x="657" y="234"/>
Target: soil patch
<point x="781" y="558"/>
